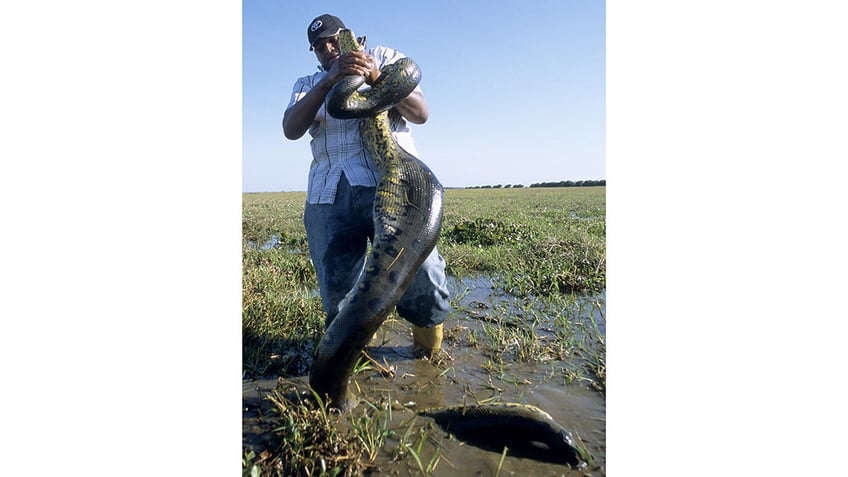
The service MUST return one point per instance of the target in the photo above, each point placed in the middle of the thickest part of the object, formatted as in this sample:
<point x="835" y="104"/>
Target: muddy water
<point x="465" y="375"/>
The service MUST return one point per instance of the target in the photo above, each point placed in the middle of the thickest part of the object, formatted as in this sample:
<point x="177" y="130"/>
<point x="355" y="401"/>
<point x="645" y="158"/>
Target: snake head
<point x="361" y="41"/>
<point x="348" y="41"/>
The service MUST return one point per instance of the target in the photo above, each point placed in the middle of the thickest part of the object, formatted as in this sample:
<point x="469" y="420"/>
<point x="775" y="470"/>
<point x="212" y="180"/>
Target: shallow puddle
<point x="464" y="374"/>
<point x="273" y="243"/>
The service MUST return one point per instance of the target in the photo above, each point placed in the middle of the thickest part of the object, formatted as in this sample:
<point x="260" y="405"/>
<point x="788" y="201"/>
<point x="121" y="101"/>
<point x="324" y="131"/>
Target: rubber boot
<point x="427" y="340"/>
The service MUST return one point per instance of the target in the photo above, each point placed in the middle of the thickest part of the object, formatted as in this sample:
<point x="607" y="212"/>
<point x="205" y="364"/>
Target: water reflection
<point x="273" y="243"/>
<point x="485" y="292"/>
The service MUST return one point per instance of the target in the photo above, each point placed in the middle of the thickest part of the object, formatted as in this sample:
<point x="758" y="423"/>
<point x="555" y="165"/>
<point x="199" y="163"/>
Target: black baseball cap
<point x="323" y="26"/>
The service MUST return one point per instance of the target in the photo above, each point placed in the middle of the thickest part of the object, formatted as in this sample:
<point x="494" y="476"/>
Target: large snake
<point x="407" y="222"/>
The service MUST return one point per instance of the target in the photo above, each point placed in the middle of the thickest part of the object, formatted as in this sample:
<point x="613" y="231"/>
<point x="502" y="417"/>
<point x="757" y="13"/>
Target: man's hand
<point x="354" y="63"/>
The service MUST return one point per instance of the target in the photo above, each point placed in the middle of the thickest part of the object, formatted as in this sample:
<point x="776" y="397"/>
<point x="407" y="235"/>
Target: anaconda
<point x="407" y="222"/>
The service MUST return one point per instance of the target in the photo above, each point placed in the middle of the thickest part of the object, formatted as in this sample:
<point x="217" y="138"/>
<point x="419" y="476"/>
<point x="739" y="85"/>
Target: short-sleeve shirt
<point x="336" y="145"/>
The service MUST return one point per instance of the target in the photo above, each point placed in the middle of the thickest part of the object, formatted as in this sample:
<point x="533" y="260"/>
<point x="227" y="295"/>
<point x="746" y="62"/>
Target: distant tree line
<point x="601" y="182"/>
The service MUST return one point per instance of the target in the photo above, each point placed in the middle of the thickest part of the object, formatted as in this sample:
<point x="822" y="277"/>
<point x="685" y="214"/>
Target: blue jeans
<point x="338" y="237"/>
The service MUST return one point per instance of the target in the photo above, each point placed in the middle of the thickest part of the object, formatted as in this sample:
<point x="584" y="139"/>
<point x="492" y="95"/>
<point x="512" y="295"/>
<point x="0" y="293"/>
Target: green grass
<point x="543" y="240"/>
<point x="540" y="246"/>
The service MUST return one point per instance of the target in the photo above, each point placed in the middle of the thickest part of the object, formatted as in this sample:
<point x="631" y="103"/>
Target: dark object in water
<point x="525" y="430"/>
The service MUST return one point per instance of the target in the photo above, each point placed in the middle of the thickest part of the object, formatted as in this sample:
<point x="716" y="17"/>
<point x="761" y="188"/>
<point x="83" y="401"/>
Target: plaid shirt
<point x="336" y="145"/>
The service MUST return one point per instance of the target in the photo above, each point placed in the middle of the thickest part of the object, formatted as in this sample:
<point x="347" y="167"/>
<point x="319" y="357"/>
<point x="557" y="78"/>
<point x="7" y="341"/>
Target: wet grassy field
<point x="527" y="272"/>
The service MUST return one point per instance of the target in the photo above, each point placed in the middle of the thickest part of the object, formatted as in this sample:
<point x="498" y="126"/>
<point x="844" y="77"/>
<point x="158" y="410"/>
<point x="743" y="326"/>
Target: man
<point x="343" y="178"/>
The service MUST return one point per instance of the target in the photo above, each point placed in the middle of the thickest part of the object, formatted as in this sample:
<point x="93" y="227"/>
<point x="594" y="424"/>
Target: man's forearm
<point x="414" y="108"/>
<point x="298" y="118"/>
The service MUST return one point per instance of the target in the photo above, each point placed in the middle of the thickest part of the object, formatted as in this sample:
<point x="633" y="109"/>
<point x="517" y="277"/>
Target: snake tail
<point x="526" y="430"/>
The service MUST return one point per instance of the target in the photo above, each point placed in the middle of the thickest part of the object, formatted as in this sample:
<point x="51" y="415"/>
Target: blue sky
<point x="515" y="89"/>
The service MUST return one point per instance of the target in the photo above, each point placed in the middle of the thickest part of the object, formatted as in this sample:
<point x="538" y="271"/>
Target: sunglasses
<point x="320" y="44"/>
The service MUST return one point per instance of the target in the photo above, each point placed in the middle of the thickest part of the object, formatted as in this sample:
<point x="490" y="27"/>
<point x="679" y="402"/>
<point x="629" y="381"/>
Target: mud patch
<point x="497" y="348"/>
